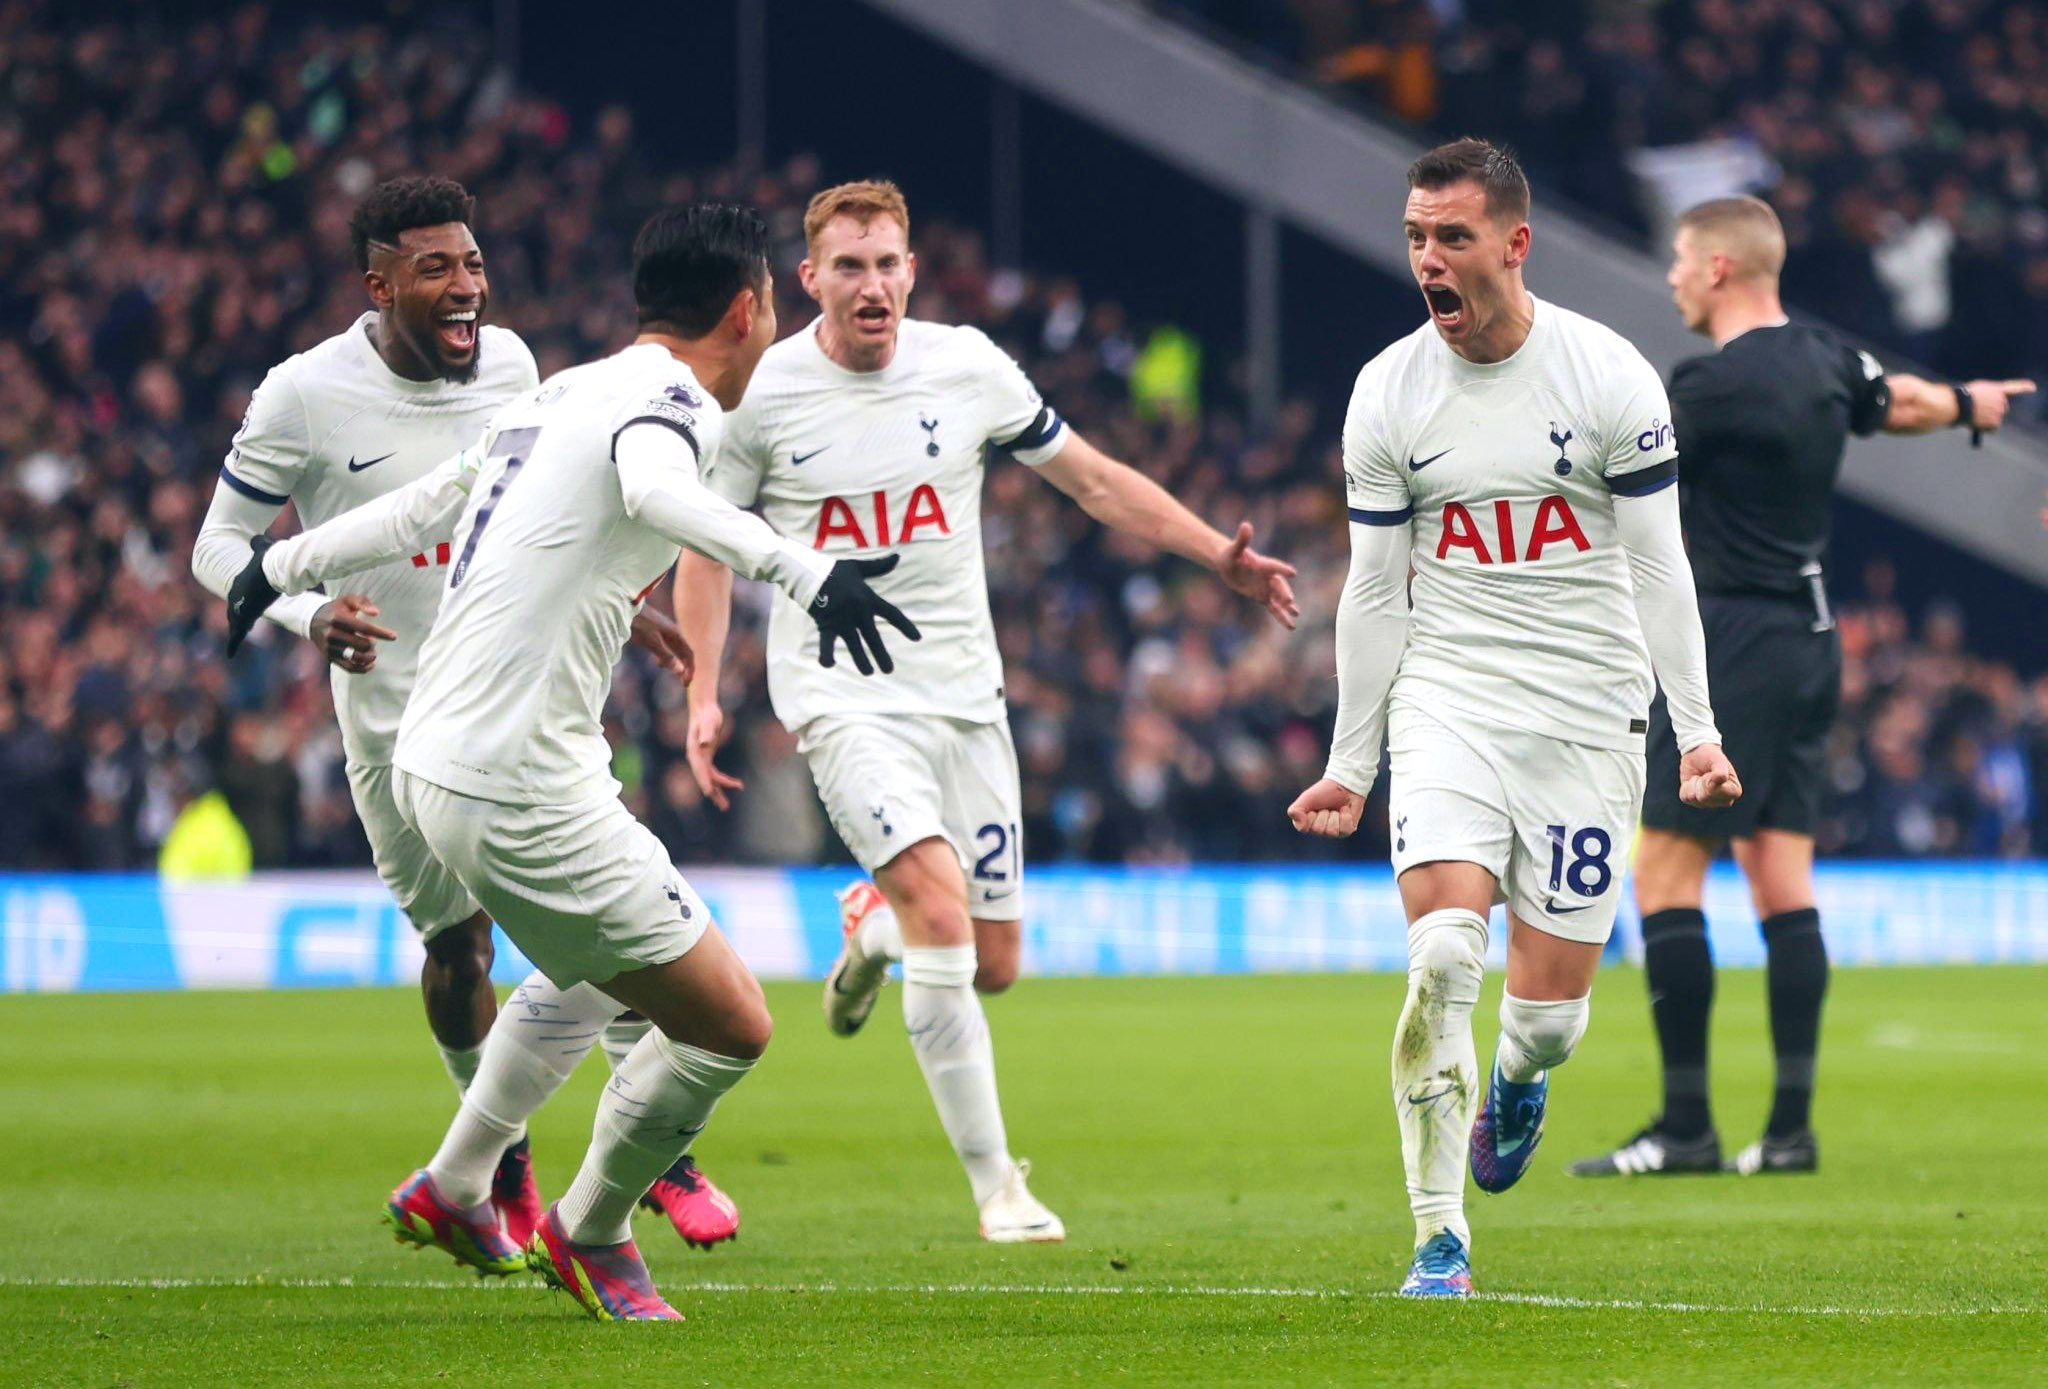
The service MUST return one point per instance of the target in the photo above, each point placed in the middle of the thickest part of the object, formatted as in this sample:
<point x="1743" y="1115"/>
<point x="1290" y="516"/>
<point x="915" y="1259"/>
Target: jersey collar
<point x="1540" y="315"/>
<point x="887" y="374"/>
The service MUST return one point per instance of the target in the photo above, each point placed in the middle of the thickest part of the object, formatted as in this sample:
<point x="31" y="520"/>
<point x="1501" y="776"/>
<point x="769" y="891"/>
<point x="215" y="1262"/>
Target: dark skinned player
<point x="409" y="383"/>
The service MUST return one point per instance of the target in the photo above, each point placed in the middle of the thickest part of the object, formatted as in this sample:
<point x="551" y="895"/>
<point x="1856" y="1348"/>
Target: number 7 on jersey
<point x="515" y="446"/>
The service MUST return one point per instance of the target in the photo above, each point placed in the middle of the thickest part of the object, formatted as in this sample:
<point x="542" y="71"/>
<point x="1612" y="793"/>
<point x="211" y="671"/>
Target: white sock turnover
<point x="949" y="1033"/>
<point x="1435" y="1069"/>
<point x="621" y="1035"/>
<point x="880" y="934"/>
<point x="461" y="1063"/>
<point x="1534" y="1036"/>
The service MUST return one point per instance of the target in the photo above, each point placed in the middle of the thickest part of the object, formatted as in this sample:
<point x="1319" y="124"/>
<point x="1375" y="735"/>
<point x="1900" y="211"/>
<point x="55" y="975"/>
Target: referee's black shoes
<point x="1799" y="1152"/>
<point x="1653" y="1153"/>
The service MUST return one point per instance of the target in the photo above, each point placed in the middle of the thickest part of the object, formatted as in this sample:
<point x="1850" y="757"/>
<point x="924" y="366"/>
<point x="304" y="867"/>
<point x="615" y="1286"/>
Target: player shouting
<point x="352" y="420"/>
<point x="342" y="424"/>
<point x="1520" y="456"/>
<point x="867" y="432"/>
<point x="578" y="496"/>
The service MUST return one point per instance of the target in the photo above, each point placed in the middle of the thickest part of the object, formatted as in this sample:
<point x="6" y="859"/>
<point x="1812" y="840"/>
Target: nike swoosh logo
<point x="1417" y="1101"/>
<point x="797" y="460"/>
<point x="356" y="467"/>
<point x="1415" y="467"/>
<point x="1550" y="905"/>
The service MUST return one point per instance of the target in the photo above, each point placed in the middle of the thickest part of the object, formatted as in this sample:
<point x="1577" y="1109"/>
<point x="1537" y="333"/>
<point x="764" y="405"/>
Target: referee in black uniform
<point x="1761" y="425"/>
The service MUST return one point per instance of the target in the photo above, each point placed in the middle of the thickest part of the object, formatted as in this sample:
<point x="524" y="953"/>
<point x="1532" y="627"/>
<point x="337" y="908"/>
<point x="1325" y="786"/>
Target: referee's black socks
<point x="1798" y="976"/>
<point x="1681" y="975"/>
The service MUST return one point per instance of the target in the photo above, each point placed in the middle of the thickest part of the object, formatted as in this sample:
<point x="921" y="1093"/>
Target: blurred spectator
<point x="1908" y="135"/>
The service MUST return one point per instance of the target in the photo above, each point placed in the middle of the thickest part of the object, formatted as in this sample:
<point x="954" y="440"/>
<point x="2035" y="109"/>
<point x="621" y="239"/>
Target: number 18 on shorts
<point x="1549" y="819"/>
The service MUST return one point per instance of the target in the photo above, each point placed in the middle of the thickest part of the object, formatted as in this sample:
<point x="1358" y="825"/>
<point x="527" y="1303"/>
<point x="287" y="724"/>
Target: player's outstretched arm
<point x="414" y="518"/>
<point x="1372" y="630"/>
<point x="1668" y="611"/>
<point x="704" y="612"/>
<point x="1919" y="407"/>
<point x="1124" y="499"/>
<point x="659" y="485"/>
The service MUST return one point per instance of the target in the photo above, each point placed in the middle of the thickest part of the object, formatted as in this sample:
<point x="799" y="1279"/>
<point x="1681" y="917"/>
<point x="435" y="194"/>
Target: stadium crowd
<point x="1903" y="142"/>
<point x="171" y="224"/>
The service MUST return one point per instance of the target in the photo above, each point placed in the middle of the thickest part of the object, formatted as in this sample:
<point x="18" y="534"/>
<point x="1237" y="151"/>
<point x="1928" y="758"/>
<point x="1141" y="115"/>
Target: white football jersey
<point x="890" y="461"/>
<point x="548" y="572"/>
<point x="333" y="428"/>
<point x="1522" y="608"/>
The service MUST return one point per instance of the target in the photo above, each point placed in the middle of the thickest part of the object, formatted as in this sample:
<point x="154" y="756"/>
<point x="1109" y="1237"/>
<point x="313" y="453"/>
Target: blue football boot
<point x="1440" y="1269"/>
<point x="1505" y="1135"/>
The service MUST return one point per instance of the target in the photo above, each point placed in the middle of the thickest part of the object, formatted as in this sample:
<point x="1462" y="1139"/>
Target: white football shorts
<point x="585" y="890"/>
<point x="1552" y="821"/>
<point x="889" y="781"/>
<point x="431" y="897"/>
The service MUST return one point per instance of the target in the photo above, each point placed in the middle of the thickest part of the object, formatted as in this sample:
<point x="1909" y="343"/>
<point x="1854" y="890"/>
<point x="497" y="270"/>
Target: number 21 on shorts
<point x="1578" y="861"/>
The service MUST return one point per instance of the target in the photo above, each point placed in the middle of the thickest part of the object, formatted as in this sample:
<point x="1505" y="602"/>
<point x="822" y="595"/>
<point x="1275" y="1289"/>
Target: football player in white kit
<point x="573" y="506"/>
<point x="341" y="424"/>
<point x="357" y="417"/>
<point x="1521" y="458"/>
<point x="870" y="432"/>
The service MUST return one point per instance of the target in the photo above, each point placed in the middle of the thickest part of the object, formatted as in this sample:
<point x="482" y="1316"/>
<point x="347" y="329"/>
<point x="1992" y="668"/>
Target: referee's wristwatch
<point x="1966" y="413"/>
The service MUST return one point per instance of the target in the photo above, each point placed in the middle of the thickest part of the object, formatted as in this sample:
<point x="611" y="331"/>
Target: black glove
<point x="846" y="608"/>
<point x="249" y="595"/>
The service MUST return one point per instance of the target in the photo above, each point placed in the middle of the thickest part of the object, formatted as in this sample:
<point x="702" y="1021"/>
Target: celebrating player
<point x="1522" y="458"/>
<point x="868" y="432"/>
<point x="578" y="496"/>
<point x="1764" y="419"/>
<point x="354" y="419"/>
<point x="360" y="415"/>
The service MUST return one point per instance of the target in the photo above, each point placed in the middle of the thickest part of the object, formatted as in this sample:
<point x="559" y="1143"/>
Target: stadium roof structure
<point x="1289" y="154"/>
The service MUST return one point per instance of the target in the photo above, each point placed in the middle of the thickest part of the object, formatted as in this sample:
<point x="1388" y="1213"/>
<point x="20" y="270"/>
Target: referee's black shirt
<point x="1761" y="426"/>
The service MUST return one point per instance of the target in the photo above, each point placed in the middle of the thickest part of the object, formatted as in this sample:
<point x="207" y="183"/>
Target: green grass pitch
<point x="192" y="1188"/>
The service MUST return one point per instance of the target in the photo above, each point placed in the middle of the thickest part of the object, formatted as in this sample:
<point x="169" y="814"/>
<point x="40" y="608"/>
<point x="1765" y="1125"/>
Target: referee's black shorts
<point x="1776" y="685"/>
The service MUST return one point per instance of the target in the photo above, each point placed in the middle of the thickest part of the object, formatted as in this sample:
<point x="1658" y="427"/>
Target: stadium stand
<point x="151" y="270"/>
<point x="1901" y="142"/>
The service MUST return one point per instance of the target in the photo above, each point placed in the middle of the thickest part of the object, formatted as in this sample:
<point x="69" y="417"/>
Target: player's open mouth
<point x="1446" y="305"/>
<point x="872" y="316"/>
<point x="457" y="332"/>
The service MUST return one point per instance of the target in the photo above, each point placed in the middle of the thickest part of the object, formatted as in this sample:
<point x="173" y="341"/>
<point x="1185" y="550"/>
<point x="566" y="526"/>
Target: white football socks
<point x="621" y="1035"/>
<point x="461" y="1063"/>
<point x="541" y="1034"/>
<point x="949" y="1033"/>
<point x="658" y="1101"/>
<point x="1536" y="1036"/>
<point x="880" y="934"/>
<point x="1435" y="1069"/>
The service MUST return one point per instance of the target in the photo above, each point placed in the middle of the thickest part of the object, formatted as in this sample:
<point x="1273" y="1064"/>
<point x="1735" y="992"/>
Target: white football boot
<point x="857" y="977"/>
<point x="1014" y="1216"/>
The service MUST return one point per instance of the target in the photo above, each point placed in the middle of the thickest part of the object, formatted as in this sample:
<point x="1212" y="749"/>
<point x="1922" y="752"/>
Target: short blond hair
<point x="863" y="201"/>
<point x="1744" y="229"/>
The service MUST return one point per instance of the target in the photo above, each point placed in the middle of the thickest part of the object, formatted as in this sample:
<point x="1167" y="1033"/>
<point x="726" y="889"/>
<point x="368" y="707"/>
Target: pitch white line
<point x="1038" y="1290"/>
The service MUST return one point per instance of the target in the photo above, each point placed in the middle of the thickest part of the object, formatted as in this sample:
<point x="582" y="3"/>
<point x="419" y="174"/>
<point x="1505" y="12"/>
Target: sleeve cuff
<point x="1351" y="778"/>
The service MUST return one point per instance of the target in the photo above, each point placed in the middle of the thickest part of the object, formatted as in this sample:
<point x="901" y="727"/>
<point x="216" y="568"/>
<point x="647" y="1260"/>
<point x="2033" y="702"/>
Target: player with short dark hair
<point x="561" y="519"/>
<point x="332" y="429"/>
<point x="871" y="431"/>
<point x="1763" y="420"/>
<point x="1520" y="456"/>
